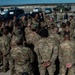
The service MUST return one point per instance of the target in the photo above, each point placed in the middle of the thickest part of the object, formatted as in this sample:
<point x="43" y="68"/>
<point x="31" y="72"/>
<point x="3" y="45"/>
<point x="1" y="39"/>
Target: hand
<point x="46" y="64"/>
<point x="68" y="65"/>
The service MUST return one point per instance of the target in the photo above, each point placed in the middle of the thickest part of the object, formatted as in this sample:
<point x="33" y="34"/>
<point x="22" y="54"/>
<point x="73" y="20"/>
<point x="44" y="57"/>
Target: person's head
<point x="5" y="30"/>
<point x="67" y="31"/>
<point x="68" y="23"/>
<point x="29" y="25"/>
<point x="34" y="27"/>
<point x="14" y="18"/>
<point x="51" y="19"/>
<point x="63" y="25"/>
<point x="40" y="14"/>
<point x="66" y="36"/>
<point x="55" y="29"/>
<point x="36" y="16"/>
<point x="44" y="32"/>
<point x="18" y="22"/>
<point x="16" y="40"/>
<point x="20" y="41"/>
<point x="71" y="17"/>
<point x="29" y="17"/>
<point x="67" y="27"/>
<point x="23" y="18"/>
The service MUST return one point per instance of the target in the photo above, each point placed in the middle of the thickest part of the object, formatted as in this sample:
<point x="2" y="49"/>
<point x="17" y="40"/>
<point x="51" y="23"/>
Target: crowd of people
<point x="31" y="45"/>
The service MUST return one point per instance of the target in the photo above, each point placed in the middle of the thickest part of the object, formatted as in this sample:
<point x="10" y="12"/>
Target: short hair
<point x="68" y="23"/>
<point x="5" y="28"/>
<point x="63" y="25"/>
<point x="44" y="32"/>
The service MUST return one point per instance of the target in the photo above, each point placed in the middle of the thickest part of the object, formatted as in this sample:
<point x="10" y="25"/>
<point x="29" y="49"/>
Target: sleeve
<point x="7" y="47"/>
<point x="38" y="55"/>
<point x="31" y="55"/>
<point x="60" y="55"/>
<point x="11" y="63"/>
<point x="55" y="53"/>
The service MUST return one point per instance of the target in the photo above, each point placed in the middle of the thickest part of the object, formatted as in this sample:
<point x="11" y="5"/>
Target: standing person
<point x="21" y="57"/>
<point x="14" y="20"/>
<point x="61" y="16"/>
<point x="67" y="56"/>
<point x="66" y="17"/>
<point x="41" y="17"/>
<point x="47" y="52"/>
<point x="24" y="21"/>
<point x="10" y="24"/>
<point x="54" y="34"/>
<point x="72" y="22"/>
<point x="33" y="37"/>
<point x="5" y="41"/>
<point x="36" y="22"/>
<point x="72" y="25"/>
<point x="55" y="16"/>
<point x="62" y="29"/>
<point x="1" y="55"/>
<point x="18" y="29"/>
<point x="27" y="30"/>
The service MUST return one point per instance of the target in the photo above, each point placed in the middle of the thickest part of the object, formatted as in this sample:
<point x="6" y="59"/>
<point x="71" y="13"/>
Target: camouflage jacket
<point x="67" y="52"/>
<point x="5" y="44"/>
<point x="23" y="58"/>
<point x="33" y="38"/>
<point x="46" y="50"/>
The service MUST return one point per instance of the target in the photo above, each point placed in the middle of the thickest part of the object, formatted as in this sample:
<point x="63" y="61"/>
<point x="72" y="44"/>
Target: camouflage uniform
<point x="22" y="57"/>
<point x="1" y="55"/>
<point x="46" y="51"/>
<point x="17" y="31"/>
<point x="43" y="24"/>
<point x="5" y="43"/>
<point x="33" y="38"/>
<point x="24" y="23"/>
<point x="27" y="31"/>
<point x="55" y="37"/>
<point x="35" y="23"/>
<point x="67" y="55"/>
<point x="55" y="17"/>
<point x="61" y="17"/>
<point x="72" y="25"/>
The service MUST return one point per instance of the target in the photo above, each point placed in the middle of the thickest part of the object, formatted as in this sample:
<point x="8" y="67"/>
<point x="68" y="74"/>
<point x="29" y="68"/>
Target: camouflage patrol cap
<point x="34" y="26"/>
<point x="17" y="31"/>
<point x="47" y="17"/>
<point x="16" y="39"/>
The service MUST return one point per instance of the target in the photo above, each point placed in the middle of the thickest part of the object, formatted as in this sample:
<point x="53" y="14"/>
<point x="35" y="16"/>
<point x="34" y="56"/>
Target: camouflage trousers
<point x="64" y="70"/>
<point x="1" y="58"/>
<point x="12" y="67"/>
<point x="51" y="69"/>
<point x="22" y="70"/>
<point x="5" y="63"/>
<point x="23" y="73"/>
